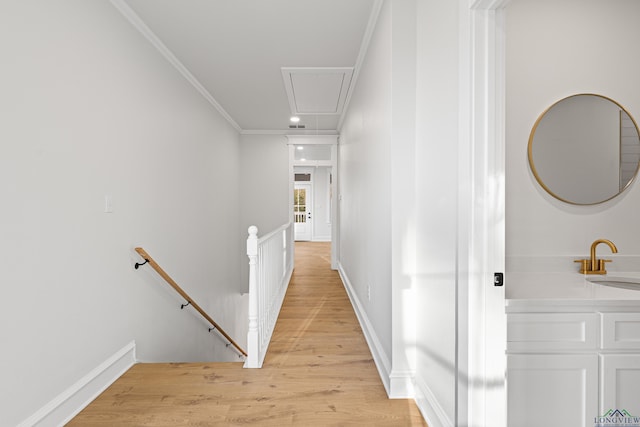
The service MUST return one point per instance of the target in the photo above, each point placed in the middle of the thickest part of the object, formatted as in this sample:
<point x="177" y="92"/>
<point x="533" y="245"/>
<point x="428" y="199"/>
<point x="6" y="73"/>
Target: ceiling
<point x="261" y="61"/>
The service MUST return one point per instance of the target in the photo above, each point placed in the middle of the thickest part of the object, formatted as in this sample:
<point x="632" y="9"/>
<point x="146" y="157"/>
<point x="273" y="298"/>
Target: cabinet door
<point x="552" y="390"/>
<point x="620" y="386"/>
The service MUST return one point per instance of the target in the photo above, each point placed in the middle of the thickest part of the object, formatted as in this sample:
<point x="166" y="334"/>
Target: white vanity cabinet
<point x="565" y="368"/>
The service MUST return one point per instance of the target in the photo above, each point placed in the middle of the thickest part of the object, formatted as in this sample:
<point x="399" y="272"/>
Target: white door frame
<point x="481" y="360"/>
<point x="331" y="140"/>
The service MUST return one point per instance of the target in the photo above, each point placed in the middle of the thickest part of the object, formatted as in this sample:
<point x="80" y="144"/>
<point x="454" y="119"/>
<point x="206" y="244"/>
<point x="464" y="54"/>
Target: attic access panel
<point x="317" y="90"/>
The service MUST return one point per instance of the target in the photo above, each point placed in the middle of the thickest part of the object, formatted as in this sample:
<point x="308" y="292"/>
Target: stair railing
<point x="270" y="269"/>
<point x="147" y="259"/>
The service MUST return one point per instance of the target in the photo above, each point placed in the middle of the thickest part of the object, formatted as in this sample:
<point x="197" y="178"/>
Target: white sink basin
<point x="617" y="282"/>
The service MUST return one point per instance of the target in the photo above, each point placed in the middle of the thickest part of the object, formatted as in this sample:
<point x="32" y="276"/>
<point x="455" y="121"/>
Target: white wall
<point x="556" y="49"/>
<point x="404" y="197"/>
<point x="437" y="189"/>
<point x="398" y="213"/>
<point x="264" y="182"/>
<point x="89" y="109"/>
<point x="365" y="187"/>
<point x="264" y="188"/>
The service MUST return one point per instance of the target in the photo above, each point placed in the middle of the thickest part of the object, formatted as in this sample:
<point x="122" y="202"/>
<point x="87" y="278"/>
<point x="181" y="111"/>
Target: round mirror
<point x="584" y="149"/>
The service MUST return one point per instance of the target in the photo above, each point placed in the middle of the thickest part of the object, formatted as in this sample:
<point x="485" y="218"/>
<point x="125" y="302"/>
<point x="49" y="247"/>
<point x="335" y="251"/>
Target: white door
<point x="302" y="209"/>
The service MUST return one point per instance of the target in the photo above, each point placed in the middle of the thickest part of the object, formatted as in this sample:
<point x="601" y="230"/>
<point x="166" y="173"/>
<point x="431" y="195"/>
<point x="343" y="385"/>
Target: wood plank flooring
<point x="318" y="372"/>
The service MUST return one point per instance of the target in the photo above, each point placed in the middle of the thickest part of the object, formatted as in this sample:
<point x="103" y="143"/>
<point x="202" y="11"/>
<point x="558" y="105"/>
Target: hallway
<point x="318" y="372"/>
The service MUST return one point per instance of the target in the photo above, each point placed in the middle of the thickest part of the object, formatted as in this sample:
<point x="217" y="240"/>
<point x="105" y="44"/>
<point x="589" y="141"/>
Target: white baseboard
<point x="70" y="402"/>
<point x="379" y="357"/>
<point x="401" y="384"/>
<point x="429" y="407"/>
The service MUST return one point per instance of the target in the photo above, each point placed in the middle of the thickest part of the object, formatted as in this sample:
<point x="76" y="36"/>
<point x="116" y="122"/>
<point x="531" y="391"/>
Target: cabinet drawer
<point x="621" y="331"/>
<point x="552" y="331"/>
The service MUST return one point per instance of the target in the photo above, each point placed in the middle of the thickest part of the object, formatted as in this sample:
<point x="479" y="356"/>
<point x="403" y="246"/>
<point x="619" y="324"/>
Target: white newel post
<point x="253" y="347"/>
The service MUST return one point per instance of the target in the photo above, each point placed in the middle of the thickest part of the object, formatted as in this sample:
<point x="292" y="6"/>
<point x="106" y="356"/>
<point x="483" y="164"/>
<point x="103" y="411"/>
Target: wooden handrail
<point x="184" y="295"/>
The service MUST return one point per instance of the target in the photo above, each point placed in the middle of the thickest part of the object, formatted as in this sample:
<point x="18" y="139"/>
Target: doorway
<point x="302" y="211"/>
<point x="316" y="155"/>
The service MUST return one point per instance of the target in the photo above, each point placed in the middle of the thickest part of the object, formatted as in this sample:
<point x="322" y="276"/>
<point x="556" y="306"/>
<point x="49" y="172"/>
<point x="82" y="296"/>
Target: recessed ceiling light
<point x="299" y="147"/>
<point x="294" y="119"/>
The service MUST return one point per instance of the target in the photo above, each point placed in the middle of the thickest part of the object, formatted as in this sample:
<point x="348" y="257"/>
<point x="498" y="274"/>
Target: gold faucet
<point x="594" y="265"/>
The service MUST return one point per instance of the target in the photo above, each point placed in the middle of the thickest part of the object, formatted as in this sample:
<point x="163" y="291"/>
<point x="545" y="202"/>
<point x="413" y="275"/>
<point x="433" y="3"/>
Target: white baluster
<point x="270" y="263"/>
<point x="253" y="346"/>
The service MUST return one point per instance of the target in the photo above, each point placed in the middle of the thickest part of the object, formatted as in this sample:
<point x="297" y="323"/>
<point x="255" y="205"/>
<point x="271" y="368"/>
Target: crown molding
<point x="139" y="24"/>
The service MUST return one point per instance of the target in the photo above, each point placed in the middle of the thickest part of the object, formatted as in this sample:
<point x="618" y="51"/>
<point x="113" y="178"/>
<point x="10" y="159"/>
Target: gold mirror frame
<point x="544" y="185"/>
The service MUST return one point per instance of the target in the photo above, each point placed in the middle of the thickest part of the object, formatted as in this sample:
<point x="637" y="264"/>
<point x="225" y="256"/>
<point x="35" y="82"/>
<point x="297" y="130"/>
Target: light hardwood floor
<point x="318" y="372"/>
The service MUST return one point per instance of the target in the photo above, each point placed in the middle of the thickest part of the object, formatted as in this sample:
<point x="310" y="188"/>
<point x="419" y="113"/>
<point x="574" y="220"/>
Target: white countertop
<point x="567" y="289"/>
